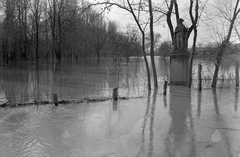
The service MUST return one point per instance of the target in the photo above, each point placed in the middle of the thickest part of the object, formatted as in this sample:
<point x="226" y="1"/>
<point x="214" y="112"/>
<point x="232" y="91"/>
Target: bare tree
<point x="165" y="49"/>
<point x="61" y="13"/>
<point x="14" y="40"/>
<point x="194" y="20"/>
<point x="38" y="7"/>
<point x="99" y="33"/>
<point x="142" y="30"/>
<point x="8" y="28"/>
<point x="32" y="29"/>
<point x="229" y="16"/>
<point x="116" y="39"/>
<point x="136" y="9"/>
<point x="152" y="44"/>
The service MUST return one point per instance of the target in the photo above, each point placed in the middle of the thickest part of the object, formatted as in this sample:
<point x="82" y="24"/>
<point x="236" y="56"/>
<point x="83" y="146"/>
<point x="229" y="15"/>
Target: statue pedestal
<point x="179" y="65"/>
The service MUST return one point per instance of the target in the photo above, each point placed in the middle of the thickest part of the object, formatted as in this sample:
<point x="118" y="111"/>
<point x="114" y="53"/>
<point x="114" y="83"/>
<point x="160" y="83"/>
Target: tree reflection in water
<point x="215" y="101"/>
<point x="236" y="99"/>
<point x="149" y="116"/>
<point x="180" y="140"/>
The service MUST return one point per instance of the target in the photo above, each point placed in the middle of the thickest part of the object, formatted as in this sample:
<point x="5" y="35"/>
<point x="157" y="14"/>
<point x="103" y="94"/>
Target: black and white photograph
<point x="119" y="78"/>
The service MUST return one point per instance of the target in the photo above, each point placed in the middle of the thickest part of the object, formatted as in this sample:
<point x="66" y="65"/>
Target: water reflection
<point x="152" y="117"/>
<point x="236" y="99"/>
<point x="215" y="101"/>
<point x="136" y="127"/>
<point x="141" y="151"/>
<point x="25" y="82"/>
<point x="115" y="105"/>
<point x="57" y="133"/>
<point x="179" y="124"/>
<point x="149" y="118"/>
<point x="57" y="66"/>
<point x="165" y="101"/>
<point x="163" y="68"/>
<point x="220" y="125"/>
<point x="180" y="138"/>
<point x="199" y="103"/>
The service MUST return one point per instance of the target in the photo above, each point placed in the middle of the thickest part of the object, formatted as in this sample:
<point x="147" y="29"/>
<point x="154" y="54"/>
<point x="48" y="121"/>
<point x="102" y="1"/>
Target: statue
<point x="180" y="36"/>
<point x="179" y="58"/>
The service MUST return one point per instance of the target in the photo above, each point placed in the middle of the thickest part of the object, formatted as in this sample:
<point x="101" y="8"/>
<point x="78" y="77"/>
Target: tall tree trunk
<point x="176" y="10"/>
<point x="169" y="21"/>
<point x="143" y="44"/>
<point x="194" y="27"/>
<point x="52" y="15"/>
<point x="191" y="58"/>
<point x="217" y="66"/>
<point x="59" y="52"/>
<point x="25" y="31"/>
<point x="152" y="44"/>
<point x="146" y="61"/>
<point x="37" y="36"/>
<point x="37" y="45"/>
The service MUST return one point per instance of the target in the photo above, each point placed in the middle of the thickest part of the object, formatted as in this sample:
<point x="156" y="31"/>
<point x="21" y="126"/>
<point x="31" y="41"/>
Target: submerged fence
<point x="30" y="83"/>
<point x="225" y="78"/>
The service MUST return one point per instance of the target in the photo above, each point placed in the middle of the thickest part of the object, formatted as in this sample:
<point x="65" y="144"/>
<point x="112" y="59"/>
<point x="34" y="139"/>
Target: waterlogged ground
<point x="184" y="123"/>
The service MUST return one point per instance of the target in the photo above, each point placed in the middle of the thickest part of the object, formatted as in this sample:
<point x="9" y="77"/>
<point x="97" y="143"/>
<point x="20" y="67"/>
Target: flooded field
<point x="185" y="123"/>
<point x="70" y="80"/>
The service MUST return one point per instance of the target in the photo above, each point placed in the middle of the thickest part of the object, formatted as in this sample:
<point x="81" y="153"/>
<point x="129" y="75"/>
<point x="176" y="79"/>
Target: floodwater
<point x="184" y="123"/>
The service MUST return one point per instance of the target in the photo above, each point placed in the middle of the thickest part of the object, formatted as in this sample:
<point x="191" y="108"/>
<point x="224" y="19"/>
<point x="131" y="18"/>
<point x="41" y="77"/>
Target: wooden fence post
<point x="199" y="77"/>
<point x="55" y="99"/>
<point x="115" y="94"/>
<point x="165" y="87"/>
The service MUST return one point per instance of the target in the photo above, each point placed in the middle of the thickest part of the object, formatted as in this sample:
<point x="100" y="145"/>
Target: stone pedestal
<point x="179" y="65"/>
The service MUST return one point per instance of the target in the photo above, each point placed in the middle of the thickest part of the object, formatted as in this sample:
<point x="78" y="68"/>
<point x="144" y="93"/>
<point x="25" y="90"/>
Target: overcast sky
<point x="204" y="35"/>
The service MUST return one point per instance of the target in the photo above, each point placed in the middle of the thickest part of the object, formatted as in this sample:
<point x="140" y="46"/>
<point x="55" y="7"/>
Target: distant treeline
<point x="209" y="50"/>
<point x="53" y="29"/>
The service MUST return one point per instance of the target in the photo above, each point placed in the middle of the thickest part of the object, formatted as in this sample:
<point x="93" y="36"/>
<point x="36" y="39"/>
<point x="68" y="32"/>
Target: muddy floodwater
<point x="184" y="123"/>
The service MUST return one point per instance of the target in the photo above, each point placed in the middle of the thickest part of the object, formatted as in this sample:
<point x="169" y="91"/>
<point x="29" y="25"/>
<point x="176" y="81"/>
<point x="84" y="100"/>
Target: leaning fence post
<point x="115" y="94"/>
<point x="199" y="77"/>
<point x="165" y="87"/>
<point x="55" y="99"/>
<point x="237" y="74"/>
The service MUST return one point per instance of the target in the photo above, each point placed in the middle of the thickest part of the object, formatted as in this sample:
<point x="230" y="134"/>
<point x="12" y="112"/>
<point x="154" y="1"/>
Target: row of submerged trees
<point x="36" y="29"/>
